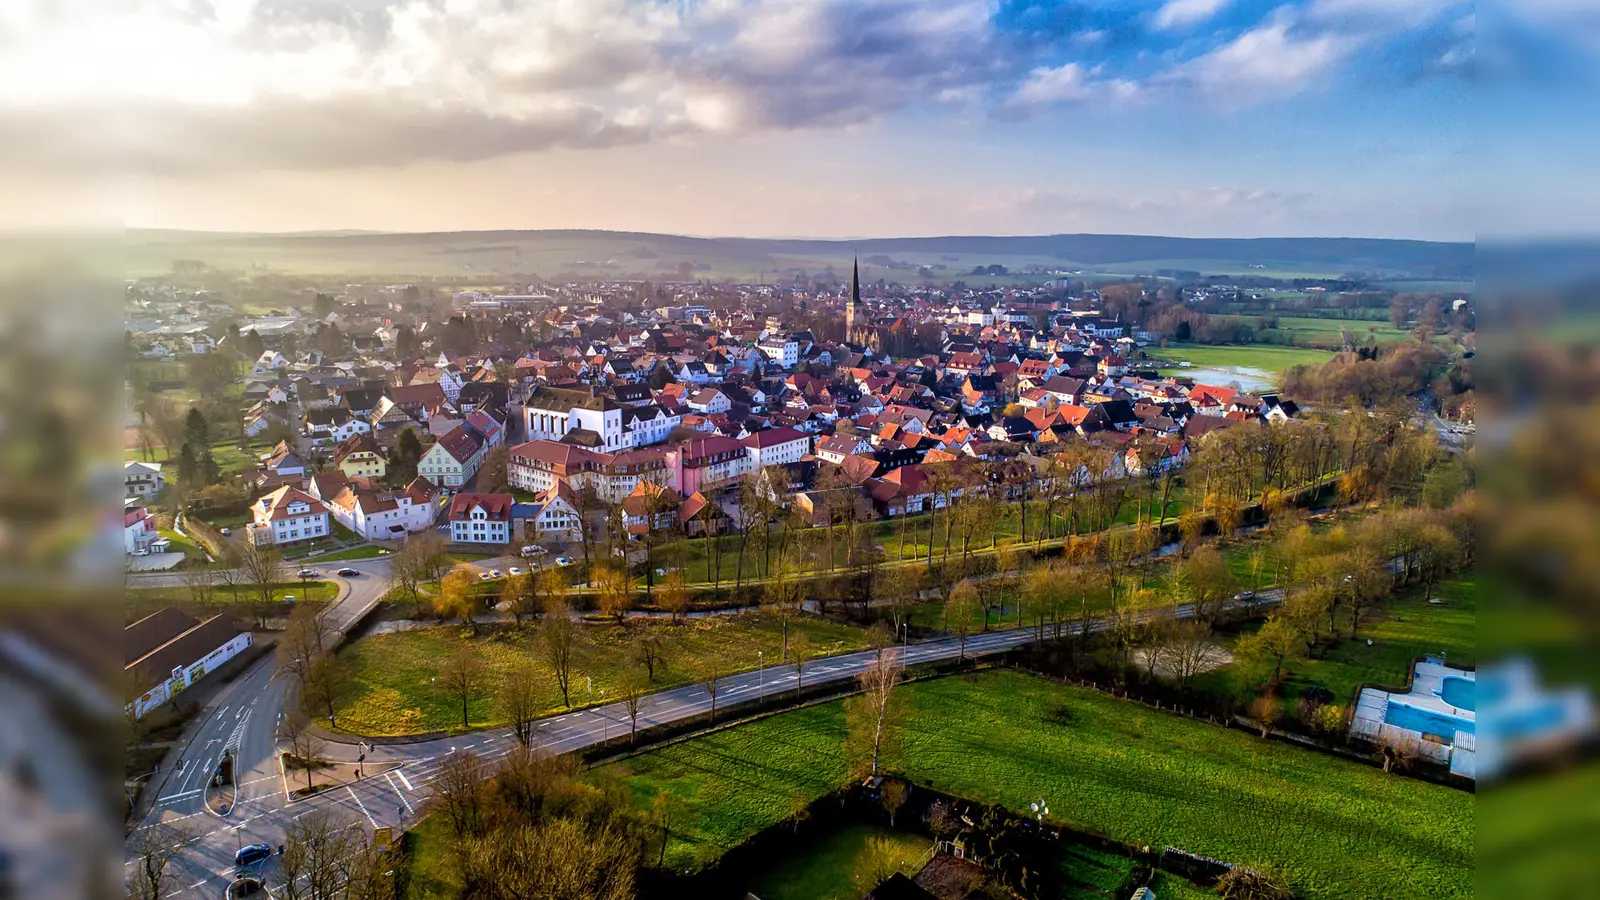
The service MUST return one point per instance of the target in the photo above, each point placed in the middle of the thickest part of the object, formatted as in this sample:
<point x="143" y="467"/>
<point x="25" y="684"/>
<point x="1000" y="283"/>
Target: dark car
<point x="251" y="854"/>
<point x="348" y="572"/>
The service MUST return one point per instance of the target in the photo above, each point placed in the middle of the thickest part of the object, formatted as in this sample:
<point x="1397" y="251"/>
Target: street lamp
<point x="761" y="672"/>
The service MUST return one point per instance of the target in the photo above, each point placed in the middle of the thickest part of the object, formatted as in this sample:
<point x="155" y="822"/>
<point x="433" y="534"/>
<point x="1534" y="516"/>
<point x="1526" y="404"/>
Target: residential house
<point x="551" y="413"/>
<point x="358" y="456"/>
<point x="454" y="458"/>
<point x="706" y="463"/>
<point x="776" y="447"/>
<point x="385" y="514"/>
<point x="142" y="479"/>
<point x="288" y="515"/>
<point x="480" y="518"/>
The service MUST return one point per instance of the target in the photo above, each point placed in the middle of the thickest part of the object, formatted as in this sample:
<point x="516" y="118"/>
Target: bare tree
<point x="873" y="719"/>
<point x="263" y="568"/>
<point x="458" y="792"/>
<point x="317" y="851"/>
<point x="894" y="794"/>
<point x="557" y="634"/>
<point x="632" y="700"/>
<point x="519" y="700"/>
<point x="674" y="596"/>
<point x="959" y="610"/>
<point x="462" y="675"/>
<point x="647" y="652"/>
<point x="302" y="641"/>
<point x="416" y="562"/>
<point x="202" y="590"/>
<point x="301" y="743"/>
<point x="153" y="849"/>
<point x="323" y="685"/>
<point x="799" y="654"/>
<point x="614" y="590"/>
<point x="713" y="683"/>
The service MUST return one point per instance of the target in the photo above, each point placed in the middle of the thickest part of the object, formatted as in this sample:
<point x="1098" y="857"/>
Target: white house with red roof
<point x="287" y="515"/>
<point x="776" y="447"/>
<point x="454" y="459"/>
<point x="481" y="518"/>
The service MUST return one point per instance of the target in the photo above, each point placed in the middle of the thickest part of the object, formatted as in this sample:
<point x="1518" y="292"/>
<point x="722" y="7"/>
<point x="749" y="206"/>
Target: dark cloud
<point x="175" y="140"/>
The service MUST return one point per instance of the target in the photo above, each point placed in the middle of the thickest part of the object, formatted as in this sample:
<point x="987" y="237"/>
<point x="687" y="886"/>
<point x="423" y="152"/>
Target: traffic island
<point x="302" y="780"/>
<point x="223" y="788"/>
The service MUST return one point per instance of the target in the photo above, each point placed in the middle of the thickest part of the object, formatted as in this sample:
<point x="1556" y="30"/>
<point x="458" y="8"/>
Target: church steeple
<point x="855" y="300"/>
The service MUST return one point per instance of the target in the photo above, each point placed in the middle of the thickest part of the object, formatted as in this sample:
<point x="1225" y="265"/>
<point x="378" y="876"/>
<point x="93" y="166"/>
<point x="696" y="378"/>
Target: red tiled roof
<point x="497" y="506"/>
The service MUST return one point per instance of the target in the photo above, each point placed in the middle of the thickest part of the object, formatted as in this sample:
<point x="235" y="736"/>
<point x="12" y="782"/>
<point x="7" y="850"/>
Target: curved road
<point x="249" y="710"/>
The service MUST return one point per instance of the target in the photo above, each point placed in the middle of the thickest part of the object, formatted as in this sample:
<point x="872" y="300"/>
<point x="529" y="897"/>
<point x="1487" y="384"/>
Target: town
<point x="429" y="541"/>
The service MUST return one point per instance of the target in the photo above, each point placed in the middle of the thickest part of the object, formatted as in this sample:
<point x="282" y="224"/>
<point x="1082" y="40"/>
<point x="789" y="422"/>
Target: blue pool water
<point x="1458" y="692"/>
<point x="1402" y="715"/>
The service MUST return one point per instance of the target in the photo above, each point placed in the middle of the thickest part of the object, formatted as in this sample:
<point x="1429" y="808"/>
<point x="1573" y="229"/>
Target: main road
<point x="393" y="799"/>
<point x="242" y="720"/>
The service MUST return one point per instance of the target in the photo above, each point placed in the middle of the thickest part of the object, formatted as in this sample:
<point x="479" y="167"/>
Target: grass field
<point x="1327" y="333"/>
<point x="368" y="551"/>
<point x="834" y="866"/>
<point x="140" y="602"/>
<point x="1267" y="358"/>
<point x="1339" y="829"/>
<point x="1407" y="627"/>
<point x="392" y="691"/>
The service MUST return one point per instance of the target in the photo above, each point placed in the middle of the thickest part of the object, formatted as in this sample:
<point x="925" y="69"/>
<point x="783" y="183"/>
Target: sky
<point x="817" y="118"/>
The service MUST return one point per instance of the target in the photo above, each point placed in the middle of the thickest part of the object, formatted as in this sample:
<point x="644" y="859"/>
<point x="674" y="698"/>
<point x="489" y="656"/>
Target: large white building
<point x="776" y="447"/>
<point x="385" y="515"/>
<point x="552" y="413"/>
<point x="287" y="515"/>
<point x="782" y="350"/>
<point x="454" y="459"/>
<point x="169" y="650"/>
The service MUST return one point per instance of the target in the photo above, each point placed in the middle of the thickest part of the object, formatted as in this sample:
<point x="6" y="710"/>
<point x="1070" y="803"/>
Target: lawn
<point x="192" y="554"/>
<point x="229" y="457"/>
<point x="1269" y="358"/>
<point x="366" y="551"/>
<point x="1338" y="828"/>
<point x="1407" y="627"/>
<point x="1326" y="333"/>
<point x="832" y="866"/>
<point x="140" y="602"/>
<point x="392" y="691"/>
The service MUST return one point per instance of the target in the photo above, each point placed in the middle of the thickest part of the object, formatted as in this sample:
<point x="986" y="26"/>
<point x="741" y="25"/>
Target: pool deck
<point x="1372" y="707"/>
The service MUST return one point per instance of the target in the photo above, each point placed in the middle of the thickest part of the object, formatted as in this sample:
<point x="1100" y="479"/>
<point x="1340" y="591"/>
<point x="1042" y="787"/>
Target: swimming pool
<point x="1414" y="718"/>
<point x="1458" y="692"/>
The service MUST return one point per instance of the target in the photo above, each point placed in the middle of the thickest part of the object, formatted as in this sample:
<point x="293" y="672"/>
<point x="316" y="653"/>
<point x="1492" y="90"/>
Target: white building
<point x="552" y="413"/>
<point x="141" y="479"/>
<point x="782" y="350"/>
<point x="776" y="447"/>
<point x="386" y="515"/>
<point x="287" y="515"/>
<point x="167" y="651"/>
<point x="481" y="518"/>
<point x="454" y="459"/>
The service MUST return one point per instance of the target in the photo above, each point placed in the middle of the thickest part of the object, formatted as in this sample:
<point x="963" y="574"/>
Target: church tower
<point x="855" y="301"/>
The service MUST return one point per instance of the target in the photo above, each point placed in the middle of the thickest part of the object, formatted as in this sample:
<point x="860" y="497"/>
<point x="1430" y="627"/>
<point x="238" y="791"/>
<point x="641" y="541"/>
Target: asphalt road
<point x="243" y="720"/>
<point x="394" y="798"/>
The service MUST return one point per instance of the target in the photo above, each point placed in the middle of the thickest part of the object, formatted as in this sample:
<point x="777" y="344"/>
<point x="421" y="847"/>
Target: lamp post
<point x="761" y="672"/>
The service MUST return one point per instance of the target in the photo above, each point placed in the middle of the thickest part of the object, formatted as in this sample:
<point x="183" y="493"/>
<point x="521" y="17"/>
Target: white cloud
<point x="1274" y="59"/>
<point x="1176" y="13"/>
<point x="1064" y="85"/>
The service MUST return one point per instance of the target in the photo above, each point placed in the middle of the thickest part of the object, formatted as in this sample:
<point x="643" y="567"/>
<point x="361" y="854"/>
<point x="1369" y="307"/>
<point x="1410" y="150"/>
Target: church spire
<point x="855" y="299"/>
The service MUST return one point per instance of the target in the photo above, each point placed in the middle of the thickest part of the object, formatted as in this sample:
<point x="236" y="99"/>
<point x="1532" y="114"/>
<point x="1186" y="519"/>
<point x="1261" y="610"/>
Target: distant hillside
<point x="636" y="254"/>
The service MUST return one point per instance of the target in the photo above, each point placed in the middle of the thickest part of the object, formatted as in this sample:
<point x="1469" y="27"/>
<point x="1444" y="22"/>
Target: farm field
<point x="1267" y="358"/>
<point x="1407" y="627"/>
<point x="832" y="867"/>
<point x="391" y="689"/>
<point x="1327" y="333"/>
<point x="1337" y="828"/>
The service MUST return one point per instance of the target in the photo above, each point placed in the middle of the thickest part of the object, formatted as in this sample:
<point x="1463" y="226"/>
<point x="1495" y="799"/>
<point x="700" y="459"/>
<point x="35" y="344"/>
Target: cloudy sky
<point x="747" y="117"/>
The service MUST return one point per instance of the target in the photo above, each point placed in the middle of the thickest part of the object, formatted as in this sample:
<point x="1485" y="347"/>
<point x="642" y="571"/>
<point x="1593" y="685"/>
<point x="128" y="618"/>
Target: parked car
<point x="563" y="560"/>
<point x="348" y="572"/>
<point x="496" y="573"/>
<point x="484" y="576"/>
<point x="515" y="571"/>
<point x="251" y="854"/>
<point x="533" y="550"/>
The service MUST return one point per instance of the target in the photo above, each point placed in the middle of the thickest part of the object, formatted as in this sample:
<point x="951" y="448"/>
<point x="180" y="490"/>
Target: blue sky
<point x="818" y="118"/>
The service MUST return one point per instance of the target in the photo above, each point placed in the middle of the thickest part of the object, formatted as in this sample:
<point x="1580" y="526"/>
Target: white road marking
<point x="399" y="793"/>
<point x="362" y="805"/>
<point x="402" y="777"/>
